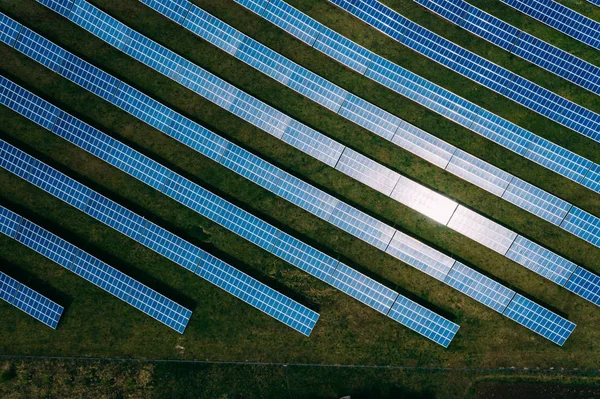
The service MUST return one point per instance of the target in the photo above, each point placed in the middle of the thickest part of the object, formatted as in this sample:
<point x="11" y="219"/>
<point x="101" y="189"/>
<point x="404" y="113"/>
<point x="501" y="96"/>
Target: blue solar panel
<point x="100" y="24"/>
<point x="27" y="104"/>
<point x="555" y="158"/>
<point x="585" y="284"/>
<point x="251" y="167"/>
<point x="63" y="7"/>
<point x="531" y="315"/>
<point x="213" y="30"/>
<point x="541" y="261"/>
<point x="370" y="117"/>
<point x="143" y="107"/>
<point x="13" y="160"/>
<point x="584" y="225"/>
<point x="306" y="196"/>
<point x="424" y="321"/>
<point x="361" y="225"/>
<point x="477" y="68"/>
<point x="256" y="294"/>
<point x="290" y="20"/>
<point x="115" y="216"/>
<point x="123" y="220"/>
<point x="363" y="288"/>
<point x="536" y="201"/>
<point x="222" y="212"/>
<point x="89" y="77"/>
<point x="313" y="143"/>
<point x="152" y="54"/>
<point x="40" y="49"/>
<point x="173" y="9"/>
<point x="257" y="6"/>
<point x="561" y="18"/>
<point x="196" y="137"/>
<point x="52" y="247"/>
<point x="343" y="50"/>
<point x="479" y="287"/>
<point x="29" y="301"/>
<point x="9" y="222"/>
<point x="9" y="30"/>
<point x="592" y="178"/>
<point x="478" y="172"/>
<point x="172" y="247"/>
<point x="423" y="144"/>
<point x="304" y="257"/>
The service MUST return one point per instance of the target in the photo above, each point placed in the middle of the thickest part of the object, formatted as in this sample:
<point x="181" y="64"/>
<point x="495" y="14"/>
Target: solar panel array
<point x="433" y="97"/>
<point x="478" y="172"/>
<point x="341" y="215"/>
<point x="596" y="2"/>
<point x="561" y="18"/>
<point x="80" y="262"/>
<point x="218" y="210"/>
<point x="143" y="231"/>
<point x="378" y="121"/>
<point x="517" y="42"/>
<point x="22" y="297"/>
<point x="475" y="67"/>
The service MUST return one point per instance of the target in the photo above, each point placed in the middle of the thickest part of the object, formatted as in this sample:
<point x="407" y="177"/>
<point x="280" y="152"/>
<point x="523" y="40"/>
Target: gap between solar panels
<point x="429" y="95"/>
<point x="470" y="224"/>
<point x="386" y="125"/>
<point x="471" y="282"/>
<point x="561" y="18"/>
<point x="19" y="295"/>
<point x="148" y="234"/>
<point x="474" y="67"/>
<point x="517" y="42"/>
<point x="92" y="269"/>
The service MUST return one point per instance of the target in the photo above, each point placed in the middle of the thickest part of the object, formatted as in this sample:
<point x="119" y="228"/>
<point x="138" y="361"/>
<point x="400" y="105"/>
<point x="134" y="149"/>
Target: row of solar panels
<point x="457" y="217"/>
<point x="475" y="67"/>
<point x="147" y="234"/>
<point x="81" y="263"/>
<point x="349" y="219"/>
<point x="280" y="125"/>
<point x="384" y="124"/>
<point x="22" y="297"/>
<point x="517" y="42"/>
<point x="596" y="2"/>
<point x="431" y="96"/>
<point x="482" y="230"/>
<point x="561" y="18"/>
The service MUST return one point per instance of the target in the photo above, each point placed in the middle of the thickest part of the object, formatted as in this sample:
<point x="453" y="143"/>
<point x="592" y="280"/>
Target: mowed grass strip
<point x="350" y="332"/>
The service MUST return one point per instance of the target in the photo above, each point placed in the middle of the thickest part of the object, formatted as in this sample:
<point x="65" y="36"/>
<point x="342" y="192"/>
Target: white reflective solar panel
<point x="367" y="171"/>
<point x="482" y="230"/>
<point x="424" y="200"/>
<point x="478" y="172"/>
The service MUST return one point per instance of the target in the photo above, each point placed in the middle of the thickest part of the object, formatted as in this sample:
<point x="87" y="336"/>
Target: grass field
<point x="222" y="328"/>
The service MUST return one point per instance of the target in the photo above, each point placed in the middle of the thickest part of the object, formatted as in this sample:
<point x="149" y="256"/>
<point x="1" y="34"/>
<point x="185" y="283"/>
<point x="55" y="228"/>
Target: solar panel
<point x="562" y="19"/>
<point x="154" y="55"/>
<point x="29" y="301"/>
<point x="197" y="138"/>
<point x="287" y="18"/>
<point x="477" y="68"/>
<point x="478" y="172"/>
<point x="128" y="223"/>
<point x="212" y="29"/>
<point x="479" y="287"/>
<point x="367" y="171"/>
<point x="306" y="196"/>
<point x="584" y="225"/>
<point x="592" y="178"/>
<point x="585" y="284"/>
<point x="460" y="111"/>
<point x="313" y="143"/>
<point x="40" y="49"/>
<point x="536" y="201"/>
<point x="173" y="9"/>
<point x="370" y="117"/>
<point x="482" y="230"/>
<point x="420" y="256"/>
<point x="10" y="30"/>
<point x="517" y="42"/>
<point x="423" y="321"/>
<point x="424" y="200"/>
<point x="9" y="222"/>
<point x="251" y="167"/>
<point x="541" y="261"/>
<point x="531" y="315"/>
<point x="423" y="144"/>
<point x="343" y="50"/>
<point x="99" y="23"/>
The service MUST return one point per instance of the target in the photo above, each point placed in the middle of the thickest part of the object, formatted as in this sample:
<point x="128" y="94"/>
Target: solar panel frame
<point x="585" y="284"/>
<point x="479" y="173"/>
<point x="173" y="9"/>
<point x="367" y="171"/>
<point x="9" y="30"/>
<point x="583" y="224"/>
<point x="40" y="49"/>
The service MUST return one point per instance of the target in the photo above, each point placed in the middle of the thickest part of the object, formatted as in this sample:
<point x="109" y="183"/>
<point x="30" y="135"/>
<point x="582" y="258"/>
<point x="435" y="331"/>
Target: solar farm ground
<point x="222" y="328"/>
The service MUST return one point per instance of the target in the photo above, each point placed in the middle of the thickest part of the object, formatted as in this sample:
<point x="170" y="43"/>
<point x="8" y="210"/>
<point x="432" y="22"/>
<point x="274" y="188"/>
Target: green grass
<point x="95" y="324"/>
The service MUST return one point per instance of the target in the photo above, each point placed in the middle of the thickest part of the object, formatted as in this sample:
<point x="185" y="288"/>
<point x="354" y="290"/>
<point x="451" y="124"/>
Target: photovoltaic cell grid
<point x="517" y="42"/>
<point x="476" y="68"/>
<point x="472" y="117"/>
<point x="22" y="297"/>
<point x="562" y="19"/>
<point x="492" y="179"/>
<point x="101" y="274"/>
<point x="439" y="208"/>
<point x="244" y="287"/>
